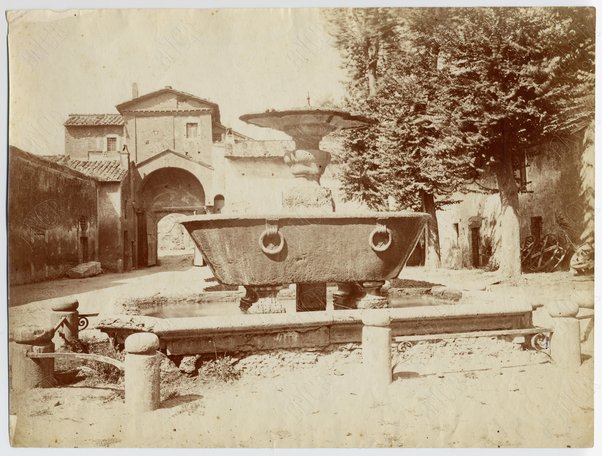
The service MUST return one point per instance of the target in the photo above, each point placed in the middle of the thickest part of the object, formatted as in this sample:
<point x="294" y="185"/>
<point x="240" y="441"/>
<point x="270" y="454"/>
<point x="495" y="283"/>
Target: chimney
<point x="124" y="158"/>
<point x="134" y="90"/>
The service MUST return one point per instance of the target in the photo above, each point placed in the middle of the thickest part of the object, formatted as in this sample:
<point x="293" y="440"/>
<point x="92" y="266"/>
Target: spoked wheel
<point x="527" y="248"/>
<point x="545" y="255"/>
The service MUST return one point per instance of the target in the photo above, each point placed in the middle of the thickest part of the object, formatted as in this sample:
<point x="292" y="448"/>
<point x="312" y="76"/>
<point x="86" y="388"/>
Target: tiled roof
<point x="101" y="170"/>
<point x="76" y="120"/>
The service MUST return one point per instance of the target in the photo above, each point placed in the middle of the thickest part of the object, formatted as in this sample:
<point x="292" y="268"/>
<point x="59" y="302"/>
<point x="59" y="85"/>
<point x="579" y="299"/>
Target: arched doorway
<point x="172" y="237"/>
<point x="163" y="192"/>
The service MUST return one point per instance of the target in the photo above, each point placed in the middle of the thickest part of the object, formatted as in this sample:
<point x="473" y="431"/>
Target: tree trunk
<point x="372" y="65"/>
<point x="508" y="251"/>
<point x="432" y="251"/>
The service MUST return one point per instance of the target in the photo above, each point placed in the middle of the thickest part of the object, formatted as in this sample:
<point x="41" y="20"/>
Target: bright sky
<point x="85" y="62"/>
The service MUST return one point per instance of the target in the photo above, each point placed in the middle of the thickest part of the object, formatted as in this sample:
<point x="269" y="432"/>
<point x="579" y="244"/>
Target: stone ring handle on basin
<point x="380" y="230"/>
<point x="271" y="231"/>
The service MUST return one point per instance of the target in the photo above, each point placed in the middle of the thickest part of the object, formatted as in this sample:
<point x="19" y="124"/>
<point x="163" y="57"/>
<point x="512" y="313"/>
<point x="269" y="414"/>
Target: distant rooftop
<point x="77" y="120"/>
<point x="101" y="170"/>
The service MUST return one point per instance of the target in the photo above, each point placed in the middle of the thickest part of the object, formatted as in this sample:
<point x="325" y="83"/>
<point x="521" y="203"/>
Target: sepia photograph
<point x="325" y="227"/>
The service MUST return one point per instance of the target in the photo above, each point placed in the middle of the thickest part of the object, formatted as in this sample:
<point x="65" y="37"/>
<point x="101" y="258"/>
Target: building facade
<point x="556" y="200"/>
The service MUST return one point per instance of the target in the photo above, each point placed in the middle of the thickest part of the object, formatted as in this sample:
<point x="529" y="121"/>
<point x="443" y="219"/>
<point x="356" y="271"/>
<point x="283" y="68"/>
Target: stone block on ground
<point x="83" y="270"/>
<point x="188" y="365"/>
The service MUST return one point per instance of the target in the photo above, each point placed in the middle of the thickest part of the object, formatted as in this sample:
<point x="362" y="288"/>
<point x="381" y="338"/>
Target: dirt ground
<point x="456" y="393"/>
<point x="462" y="393"/>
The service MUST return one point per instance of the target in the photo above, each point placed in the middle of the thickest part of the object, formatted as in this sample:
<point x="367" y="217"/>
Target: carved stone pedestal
<point x="360" y="296"/>
<point x="372" y="299"/>
<point x="262" y="300"/>
<point x="347" y="296"/>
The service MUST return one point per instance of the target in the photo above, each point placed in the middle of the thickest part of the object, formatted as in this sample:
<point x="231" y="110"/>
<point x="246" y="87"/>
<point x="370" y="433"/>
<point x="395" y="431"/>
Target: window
<point x="111" y="144"/>
<point x="520" y="172"/>
<point x="457" y="230"/>
<point x="192" y="130"/>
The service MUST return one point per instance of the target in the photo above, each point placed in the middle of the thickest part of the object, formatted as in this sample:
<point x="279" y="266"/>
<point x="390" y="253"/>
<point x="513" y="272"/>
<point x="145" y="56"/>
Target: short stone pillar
<point x="67" y="309"/>
<point x="198" y="257"/>
<point x="565" y="345"/>
<point x="376" y="350"/>
<point x="142" y="374"/>
<point x="28" y="373"/>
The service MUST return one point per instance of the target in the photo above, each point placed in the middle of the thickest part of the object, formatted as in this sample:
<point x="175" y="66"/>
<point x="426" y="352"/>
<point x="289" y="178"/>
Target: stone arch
<point x="166" y="191"/>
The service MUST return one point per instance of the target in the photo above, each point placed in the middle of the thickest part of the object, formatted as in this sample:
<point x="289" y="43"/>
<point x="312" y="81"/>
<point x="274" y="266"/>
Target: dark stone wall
<point x="109" y="226"/>
<point x="52" y="220"/>
<point x="128" y="220"/>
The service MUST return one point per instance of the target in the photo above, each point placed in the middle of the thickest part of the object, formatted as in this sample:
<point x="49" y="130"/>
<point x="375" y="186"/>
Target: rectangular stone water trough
<point x="245" y="333"/>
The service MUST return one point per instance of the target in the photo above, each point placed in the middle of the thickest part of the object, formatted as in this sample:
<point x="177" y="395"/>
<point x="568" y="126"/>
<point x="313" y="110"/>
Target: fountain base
<point x="366" y="295"/>
<point x="372" y="299"/>
<point x="262" y="300"/>
<point x="307" y="196"/>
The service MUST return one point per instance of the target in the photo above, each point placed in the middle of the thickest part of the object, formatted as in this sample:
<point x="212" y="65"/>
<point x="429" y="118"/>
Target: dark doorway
<point x="142" y="244"/>
<point x="127" y="260"/>
<point x="475" y="237"/>
<point x="536" y="228"/>
<point x="83" y="245"/>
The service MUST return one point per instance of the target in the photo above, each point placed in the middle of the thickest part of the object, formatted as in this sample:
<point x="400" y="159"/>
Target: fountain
<point x="307" y="244"/>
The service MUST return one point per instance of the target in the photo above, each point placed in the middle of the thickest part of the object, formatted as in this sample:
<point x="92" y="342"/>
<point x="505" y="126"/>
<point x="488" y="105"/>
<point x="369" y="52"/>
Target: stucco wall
<point x="554" y="193"/>
<point x="199" y="147"/>
<point x="45" y="205"/>
<point x="150" y="135"/>
<point x="80" y="140"/>
<point x="254" y="185"/>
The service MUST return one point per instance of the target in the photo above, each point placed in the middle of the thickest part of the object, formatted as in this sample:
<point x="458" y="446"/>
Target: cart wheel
<point x="404" y="346"/>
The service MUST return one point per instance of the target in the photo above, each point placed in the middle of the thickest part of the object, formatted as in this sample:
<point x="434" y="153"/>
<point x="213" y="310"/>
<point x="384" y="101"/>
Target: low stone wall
<point x="245" y="333"/>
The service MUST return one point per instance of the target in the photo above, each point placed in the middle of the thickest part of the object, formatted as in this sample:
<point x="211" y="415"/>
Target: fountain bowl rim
<point x="302" y="216"/>
<point x="301" y="111"/>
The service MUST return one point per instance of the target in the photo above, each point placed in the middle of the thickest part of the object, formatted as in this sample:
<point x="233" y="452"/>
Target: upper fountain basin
<point x="283" y="249"/>
<point x="307" y="121"/>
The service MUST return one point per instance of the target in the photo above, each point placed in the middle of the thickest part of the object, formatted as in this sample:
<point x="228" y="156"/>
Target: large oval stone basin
<point x="285" y="249"/>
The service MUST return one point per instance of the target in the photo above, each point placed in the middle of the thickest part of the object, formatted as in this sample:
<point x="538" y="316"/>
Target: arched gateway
<point x="166" y="191"/>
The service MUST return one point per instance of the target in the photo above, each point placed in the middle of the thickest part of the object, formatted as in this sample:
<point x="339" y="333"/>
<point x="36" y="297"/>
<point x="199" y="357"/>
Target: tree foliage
<point x="457" y="91"/>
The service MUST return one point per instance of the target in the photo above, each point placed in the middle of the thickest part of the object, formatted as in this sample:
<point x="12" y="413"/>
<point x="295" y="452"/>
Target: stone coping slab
<point x="175" y="327"/>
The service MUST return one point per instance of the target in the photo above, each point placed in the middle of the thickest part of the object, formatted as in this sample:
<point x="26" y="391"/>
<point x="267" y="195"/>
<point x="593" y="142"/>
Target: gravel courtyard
<point x="483" y="392"/>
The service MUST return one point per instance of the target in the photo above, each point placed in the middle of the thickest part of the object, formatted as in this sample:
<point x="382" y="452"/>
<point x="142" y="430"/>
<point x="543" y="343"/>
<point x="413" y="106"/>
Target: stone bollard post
<point x="376" y="350"/>
<point x="28" y="373"/>
<point x="142" y="374"/>
<point x="565" y="345"/>
<point x="198" y="257"/>
<point x="67" y="308"/>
